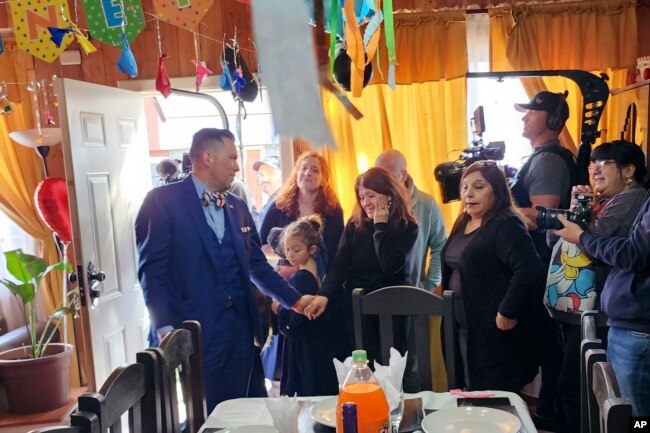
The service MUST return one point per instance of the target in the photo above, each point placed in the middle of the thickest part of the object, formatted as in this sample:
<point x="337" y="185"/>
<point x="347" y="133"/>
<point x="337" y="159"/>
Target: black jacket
<point x="500" y="272"/>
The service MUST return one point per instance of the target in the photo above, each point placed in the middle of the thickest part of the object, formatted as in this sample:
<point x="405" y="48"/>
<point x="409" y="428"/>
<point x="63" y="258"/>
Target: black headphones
<point x="555" y="121"/>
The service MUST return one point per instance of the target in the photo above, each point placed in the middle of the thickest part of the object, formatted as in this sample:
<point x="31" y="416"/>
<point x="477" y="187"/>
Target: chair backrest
<point x="614" y="411"/>
<point x="588" y="342"/>
<point x="592" y="356"/>
<point x="418" y="304"/>
<point x="129" y="389"/>
<point x="182" y="349"/>
<point x="80" y="422"/>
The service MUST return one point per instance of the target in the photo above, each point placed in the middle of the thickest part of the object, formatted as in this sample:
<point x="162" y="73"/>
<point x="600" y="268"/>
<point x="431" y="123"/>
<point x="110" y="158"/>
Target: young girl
<point x="307" y="367"/>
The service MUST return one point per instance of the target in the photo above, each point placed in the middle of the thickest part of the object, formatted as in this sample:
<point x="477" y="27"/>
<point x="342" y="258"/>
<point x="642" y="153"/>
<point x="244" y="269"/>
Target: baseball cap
<point x="273" y="161"/>
<point x="545" y="101"/>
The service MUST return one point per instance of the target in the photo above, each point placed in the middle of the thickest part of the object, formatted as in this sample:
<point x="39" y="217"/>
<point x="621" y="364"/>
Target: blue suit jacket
<point x="176" y="268"/>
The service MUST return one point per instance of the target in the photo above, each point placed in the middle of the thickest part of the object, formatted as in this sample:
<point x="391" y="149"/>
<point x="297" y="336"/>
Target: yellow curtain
<point x="595" y="35"/>
<point x="20" y="172"/>
<point x="424" y="117"/>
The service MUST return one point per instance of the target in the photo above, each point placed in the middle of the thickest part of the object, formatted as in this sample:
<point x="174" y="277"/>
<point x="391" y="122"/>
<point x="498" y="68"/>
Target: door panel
<point x="106" y="152"/>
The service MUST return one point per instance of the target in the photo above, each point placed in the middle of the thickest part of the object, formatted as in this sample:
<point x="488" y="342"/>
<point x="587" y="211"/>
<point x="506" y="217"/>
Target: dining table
<point x="253" y="411"/>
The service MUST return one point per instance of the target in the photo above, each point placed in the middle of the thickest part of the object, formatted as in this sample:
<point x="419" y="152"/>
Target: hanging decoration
<point x="57" y="35"/>
<point x="5" y="105"/>
<point x="389" y="30"/>
<point x="186" y="14"/>
<point x="2" y="47"/>
<point x="32" y="87"/>
<point x="126" y="62"/>
<point x="51" y="198"/>
<point x="31" y="22"/>
<point x="106" y="20"/>
<point x="201" y="69"/>
<point x="354" y="49"/>
<point x="162" y="77"/>
<point x="242" y="83"/>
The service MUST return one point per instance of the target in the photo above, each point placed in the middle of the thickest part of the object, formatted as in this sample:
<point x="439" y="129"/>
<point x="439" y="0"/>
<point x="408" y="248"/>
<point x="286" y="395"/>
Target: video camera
<point x="168" y="169"/>
<point x="547" y="218"/>
<point x="448" y="174"/>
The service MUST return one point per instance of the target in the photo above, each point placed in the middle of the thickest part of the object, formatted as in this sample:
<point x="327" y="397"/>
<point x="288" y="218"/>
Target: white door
<point x="105" y="147"/>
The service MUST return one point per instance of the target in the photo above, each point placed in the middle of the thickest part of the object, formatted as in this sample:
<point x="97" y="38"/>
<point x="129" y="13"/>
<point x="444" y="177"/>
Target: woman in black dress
<point x="490" y="264"/>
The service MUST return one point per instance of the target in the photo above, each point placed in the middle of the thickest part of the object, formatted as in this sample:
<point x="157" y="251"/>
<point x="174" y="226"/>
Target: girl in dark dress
<point x="307" y="367"/>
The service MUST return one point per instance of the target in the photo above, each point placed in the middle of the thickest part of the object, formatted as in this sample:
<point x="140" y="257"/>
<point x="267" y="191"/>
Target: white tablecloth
<point x="252" y="411"/>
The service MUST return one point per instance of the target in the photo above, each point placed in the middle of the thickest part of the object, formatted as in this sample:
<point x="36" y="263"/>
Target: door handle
<point x="94" y="278"/>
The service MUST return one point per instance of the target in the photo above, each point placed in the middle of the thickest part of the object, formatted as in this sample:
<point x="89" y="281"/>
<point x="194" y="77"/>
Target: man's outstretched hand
<point x="316" y="307"/>
<point x="304" y="301"/>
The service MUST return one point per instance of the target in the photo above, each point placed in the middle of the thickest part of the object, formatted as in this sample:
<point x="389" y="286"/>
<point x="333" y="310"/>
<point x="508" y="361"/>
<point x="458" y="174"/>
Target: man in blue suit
<point x="198" y="253"/>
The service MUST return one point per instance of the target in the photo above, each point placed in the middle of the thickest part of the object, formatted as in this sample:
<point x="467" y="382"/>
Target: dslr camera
<point x="547" y="218"/>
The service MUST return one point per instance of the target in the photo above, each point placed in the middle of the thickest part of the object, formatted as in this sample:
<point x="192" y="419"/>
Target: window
<point x="11" y="237"/>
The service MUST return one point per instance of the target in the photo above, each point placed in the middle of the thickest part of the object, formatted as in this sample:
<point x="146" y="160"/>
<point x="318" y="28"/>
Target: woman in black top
<point x="490" y="264"/>
<point x="373" y="251"/>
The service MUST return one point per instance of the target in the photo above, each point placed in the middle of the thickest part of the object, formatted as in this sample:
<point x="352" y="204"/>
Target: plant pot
<point x="36" y="385"/>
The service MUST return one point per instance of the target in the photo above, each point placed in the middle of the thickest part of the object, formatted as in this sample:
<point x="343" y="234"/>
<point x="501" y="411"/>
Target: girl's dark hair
<point x="307" y="228"/>
<point x="624" y="153"/>
<point x="503" y="205"/>
<point x="382" y="182"/>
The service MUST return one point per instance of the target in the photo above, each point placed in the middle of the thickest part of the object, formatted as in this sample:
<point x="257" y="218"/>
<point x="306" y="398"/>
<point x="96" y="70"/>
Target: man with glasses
<point x="545" y="180"/>
<point x="198" y="253"/>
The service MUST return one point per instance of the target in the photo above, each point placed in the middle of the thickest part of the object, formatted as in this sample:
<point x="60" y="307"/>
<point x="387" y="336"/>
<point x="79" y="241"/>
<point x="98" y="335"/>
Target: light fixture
<point x="29" y="137"/>
<point x="39" y="139"/>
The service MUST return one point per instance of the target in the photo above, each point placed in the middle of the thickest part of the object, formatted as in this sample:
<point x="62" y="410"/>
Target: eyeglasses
<point x="600" y="164"/>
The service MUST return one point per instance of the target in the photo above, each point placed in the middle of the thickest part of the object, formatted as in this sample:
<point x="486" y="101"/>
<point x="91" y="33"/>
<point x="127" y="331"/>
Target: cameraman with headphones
<point x="545" y="180"/>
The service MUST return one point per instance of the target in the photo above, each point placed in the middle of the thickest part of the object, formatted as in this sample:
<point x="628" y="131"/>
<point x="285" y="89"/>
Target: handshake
<point x="311" y="306"/>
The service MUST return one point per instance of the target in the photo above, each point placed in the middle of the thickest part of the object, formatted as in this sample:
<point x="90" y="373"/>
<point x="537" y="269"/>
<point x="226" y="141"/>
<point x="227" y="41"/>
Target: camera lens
<point x="547" y="218"/>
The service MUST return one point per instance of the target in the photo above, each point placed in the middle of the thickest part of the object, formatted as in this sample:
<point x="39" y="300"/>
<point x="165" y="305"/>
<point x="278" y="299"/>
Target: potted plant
<point x="36" y="377"/>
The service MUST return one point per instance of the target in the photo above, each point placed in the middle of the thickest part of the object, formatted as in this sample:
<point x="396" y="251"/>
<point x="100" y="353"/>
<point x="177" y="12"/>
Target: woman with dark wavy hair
<point x="307" y="191"/>
<point x="373" y="253"/>
<point x="491" y="265"/>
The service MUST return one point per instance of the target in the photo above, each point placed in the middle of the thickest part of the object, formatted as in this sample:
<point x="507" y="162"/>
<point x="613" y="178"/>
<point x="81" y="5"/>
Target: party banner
<point x="31" y="22"/>
<point x="105" y="18"/>
<point x="186" y="14"/>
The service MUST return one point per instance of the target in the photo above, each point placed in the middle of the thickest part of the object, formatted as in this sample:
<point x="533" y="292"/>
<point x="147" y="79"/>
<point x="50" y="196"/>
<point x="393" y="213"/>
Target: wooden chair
<point x="418" y="304"/>
<point x="132" y="389"/>
<point x="592" y="357"/>
<point x="80" y="422"/>
<point x="182" y="349"/>
<point x="614" y="412"/>
<point x="589" y="341"/>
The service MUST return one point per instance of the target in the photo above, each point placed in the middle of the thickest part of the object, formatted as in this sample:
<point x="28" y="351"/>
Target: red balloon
<point x="51" y="199"/>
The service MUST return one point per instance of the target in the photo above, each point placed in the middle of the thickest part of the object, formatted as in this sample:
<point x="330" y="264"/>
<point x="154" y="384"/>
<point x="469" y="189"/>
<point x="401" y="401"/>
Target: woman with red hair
<point x="307" y="191"/>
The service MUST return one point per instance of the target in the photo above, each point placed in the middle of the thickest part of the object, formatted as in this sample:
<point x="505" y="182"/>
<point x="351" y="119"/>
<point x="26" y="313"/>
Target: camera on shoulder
<point x="547" y="218"/>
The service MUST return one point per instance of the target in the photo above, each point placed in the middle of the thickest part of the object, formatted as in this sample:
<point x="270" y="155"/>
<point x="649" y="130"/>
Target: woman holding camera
<point x="626" y="301"/>
<point x="575" y="278"/>
<point x="491" y="265"/>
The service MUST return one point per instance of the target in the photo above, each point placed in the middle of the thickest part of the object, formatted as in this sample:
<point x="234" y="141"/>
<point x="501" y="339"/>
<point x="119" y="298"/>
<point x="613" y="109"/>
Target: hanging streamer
<point x="354" y="47"/>
<point x="32" y="87"/>
<point x="2" y="47"/>
<point x="389" y="29"/>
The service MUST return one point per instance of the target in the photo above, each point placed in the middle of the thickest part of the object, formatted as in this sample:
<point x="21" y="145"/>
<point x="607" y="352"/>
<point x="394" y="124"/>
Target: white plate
<point x="250" y="429"/>
<point x="324" y="412"/>
<point x="471" y="420"/>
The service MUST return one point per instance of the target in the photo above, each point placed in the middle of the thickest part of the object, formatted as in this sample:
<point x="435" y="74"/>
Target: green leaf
<point x="16" y="265"/>
<point x="61" y="266"/>
<point x="26" y="291"/>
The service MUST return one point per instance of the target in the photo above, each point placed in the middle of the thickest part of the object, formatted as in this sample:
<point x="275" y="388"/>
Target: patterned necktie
<point x="218" y="198"/>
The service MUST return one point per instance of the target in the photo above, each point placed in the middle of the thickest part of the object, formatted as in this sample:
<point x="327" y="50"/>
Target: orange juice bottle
<point x="361" y="387"/>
